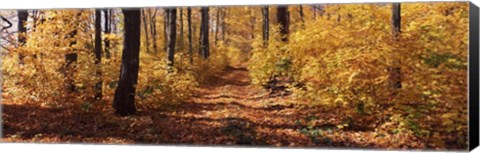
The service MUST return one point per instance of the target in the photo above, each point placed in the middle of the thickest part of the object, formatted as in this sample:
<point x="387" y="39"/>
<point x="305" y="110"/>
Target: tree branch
<point x="8" y="22"/>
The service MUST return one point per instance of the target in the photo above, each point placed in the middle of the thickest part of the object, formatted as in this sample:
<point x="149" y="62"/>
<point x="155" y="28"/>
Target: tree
<point x="124" y="100"/>
<point x="165" y="29"/>
<point x="22" y="30"/>
<point x="153" y="29"/>
<point x="282" y="20"/>
<point x="252" y="24"/>
<point x="265" y="25"/>
<point x="171" y="34"/>
<point x="301" y="14"/>
<point x="217" y="22"/>
<point x="98" y="52"/>
<point x="145" y="25"/>
<point x="189" y="20"/>
<point x="204" y="44"/>
<point x="107" y="26"/>
<point x="395" y="73"/>
<point x="224" y="26"/>
<point x="181" y="29"/>
<point x="70" y="60"/>
<point x="396" y="19"/>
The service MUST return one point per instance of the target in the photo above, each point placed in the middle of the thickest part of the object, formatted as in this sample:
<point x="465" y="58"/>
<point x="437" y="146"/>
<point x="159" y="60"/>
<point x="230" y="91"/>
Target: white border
<point x="46" y="4"/>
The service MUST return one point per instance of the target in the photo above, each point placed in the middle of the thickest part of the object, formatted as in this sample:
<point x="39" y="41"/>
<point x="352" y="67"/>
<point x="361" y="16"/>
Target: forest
<point x="380" y="76"/>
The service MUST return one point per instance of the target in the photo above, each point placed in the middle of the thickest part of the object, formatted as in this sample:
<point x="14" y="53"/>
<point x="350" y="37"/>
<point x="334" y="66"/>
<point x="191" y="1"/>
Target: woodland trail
<point x="232" y="111"/>
<point x="228" y="111"/>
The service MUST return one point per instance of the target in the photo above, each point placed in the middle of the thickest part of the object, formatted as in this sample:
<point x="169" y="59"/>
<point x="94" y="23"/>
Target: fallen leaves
<point x="223" y="114"/>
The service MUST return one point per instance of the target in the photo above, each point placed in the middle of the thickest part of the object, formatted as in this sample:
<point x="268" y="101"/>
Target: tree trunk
<point x="252" y="24"/>
<point x="217" y="22"/>
<point x="224" y="26"/>
<point x="190" y="45"/>
<point x="396" y="18"/>
<point x="107" y="27"/>
<point x="22" y="31"/>
<point x="70" y="60"/>
<point x="282" y="19"/>
<point x="165" y="29"/>
<point x="124" y="100"/>
<point x="153" y="29"/>
<point x="171" y="34"/>
<point x="395" y="72"/>
<point x="98" y="53"/>
<point x="145" y="26"/>
<point x="181" y="30"/>
<point x="314" y="10"/>
<point x="265" y="26"/>
<point x="301" y="15"/>
<point x="204" y="44"/>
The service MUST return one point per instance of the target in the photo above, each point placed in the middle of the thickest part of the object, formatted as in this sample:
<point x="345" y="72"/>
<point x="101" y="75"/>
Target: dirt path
<point x="232" y="111"/>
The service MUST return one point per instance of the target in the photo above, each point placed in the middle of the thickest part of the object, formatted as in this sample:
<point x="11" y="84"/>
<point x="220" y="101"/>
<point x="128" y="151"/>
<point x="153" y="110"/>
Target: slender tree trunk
<point x="22" y="31"/>
<point x="124" y="100"/>
<point x="35" y="15"/>
<point x="107" y="27"/>
<point x="224" y="26"/>
<point x="217" y="22"/>
<point x="314" y="10"/>
<point x="98" y="53"/>
<point x="153" y="29"/>
<point x="113" y="24"/>
<point x="70" y="61"/>
<point x="282" y="19"/>
<point x="145" y="26"/>
<point x="204" y="32"/>
<point x="301" y="15"/>
<point x="181" y="29"/>
<point x="395" y="72"/>
<point x="190" y="45"/>
<point x="265" y="26"/>
<point x="165" y="28"/>
<point x="252" y="25"/>
<point x="171" y="33"/>
<point x="396" y="19"/>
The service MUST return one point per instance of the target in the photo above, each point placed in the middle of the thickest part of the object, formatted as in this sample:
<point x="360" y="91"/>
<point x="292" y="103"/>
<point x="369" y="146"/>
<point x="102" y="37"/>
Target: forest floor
<point x="228" y="111"/>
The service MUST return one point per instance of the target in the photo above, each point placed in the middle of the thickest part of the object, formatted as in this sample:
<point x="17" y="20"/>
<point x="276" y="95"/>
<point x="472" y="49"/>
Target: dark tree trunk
<point x="181" y="29"/>
<point x="22" y="31"/>
<point x="70" y="60"/>
<point x="98" y="53"/>
<point x="190" y="45"/>
<point x="145" y="26"/>
<point x="224" y="26"/>
<point x="301" y="15"/>
<point x="252" y="25"/>
<point x="396" y="19"/>
<point x="282" y="19"/>
<point x="35" y="16"/>
<point x="204" y="44"/>
<point x="395" y="72"/>
<point x="171" y="34"/>
<point x="265" y="25"/>
<point x="124" y="100"/>
<point x="165" y="29"/>
<point x="106" y="13"/>
<point x="217" y="22"/>
<point x="153" y="29"/>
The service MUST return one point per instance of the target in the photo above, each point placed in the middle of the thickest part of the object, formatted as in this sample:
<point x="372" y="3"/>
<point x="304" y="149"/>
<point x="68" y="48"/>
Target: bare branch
<point x="8" y="22"/>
